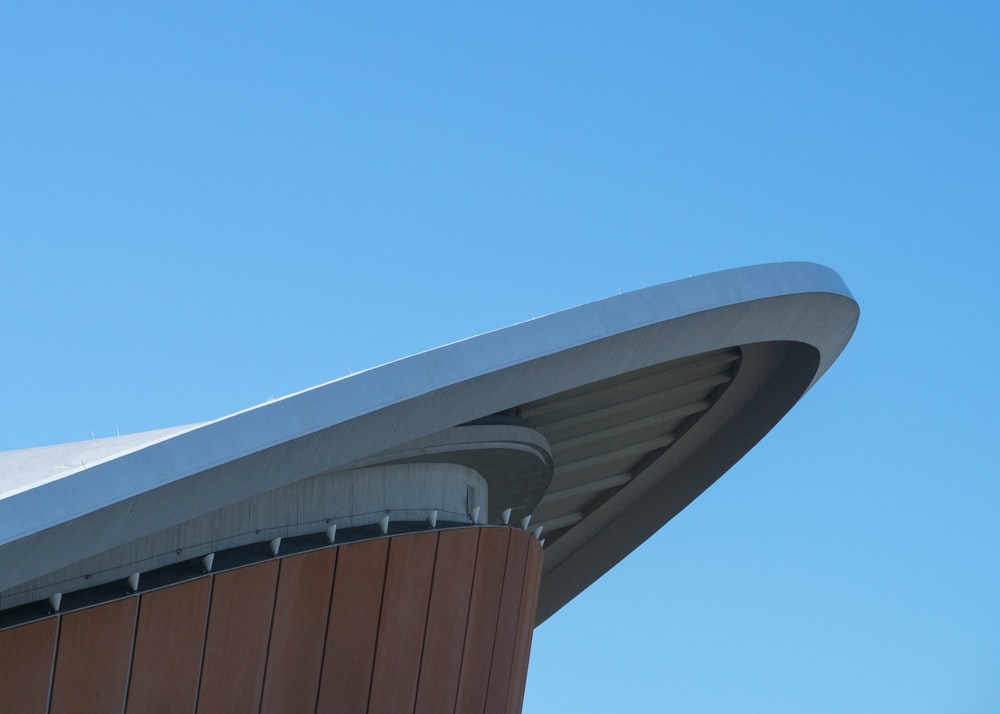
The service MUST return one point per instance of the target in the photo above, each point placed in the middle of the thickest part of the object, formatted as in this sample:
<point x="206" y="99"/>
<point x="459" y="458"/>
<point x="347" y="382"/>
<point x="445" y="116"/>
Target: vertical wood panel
<point x="525" y="628"/>
<point x="170" y="635"/>
<point x="92" y="661"/>
<point x="298" y="632"/>
<point x="354" y="615"/>
<point x="239" y="625"/>
<point x="26" y="666"/>
<point x="402" y="622"/>
<point x="483" y="610"/>
<point x="507" y="621"/>
<point x="447" y="616"/>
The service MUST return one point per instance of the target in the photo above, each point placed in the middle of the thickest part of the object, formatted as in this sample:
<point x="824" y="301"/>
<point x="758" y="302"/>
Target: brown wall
<point x="425" y="622"/>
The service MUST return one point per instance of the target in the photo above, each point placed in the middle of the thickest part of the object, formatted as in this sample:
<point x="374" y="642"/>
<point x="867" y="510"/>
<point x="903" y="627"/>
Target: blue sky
<point x="203" y="207"/>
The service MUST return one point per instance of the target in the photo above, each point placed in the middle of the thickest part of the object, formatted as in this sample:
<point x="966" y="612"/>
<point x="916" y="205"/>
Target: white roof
<point x="645" y="399"/>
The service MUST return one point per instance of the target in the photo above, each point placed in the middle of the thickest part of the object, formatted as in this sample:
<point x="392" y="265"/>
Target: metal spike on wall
<point x="538" y="532"/>
<point x="475" y="515"/>
<point x="133" y="581"/>
<point x="208" y="561"/>
<point x="274" y="544"/>
<point x="383" y="524"/>
<point x="331" y="533"/>
<point x="55" y="600"/>
<point x="525" y="522"/>
<point x="505" y="516"/>
<point x="432" y="519"/>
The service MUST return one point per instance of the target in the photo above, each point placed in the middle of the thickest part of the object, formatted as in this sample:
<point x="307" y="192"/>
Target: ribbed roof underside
<point x="603" y="434"/>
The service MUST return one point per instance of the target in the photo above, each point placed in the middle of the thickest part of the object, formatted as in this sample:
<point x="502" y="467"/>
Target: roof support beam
<point x="601" y="484"/>
<point x="651" y="402"/>
<point x="643" y="447"/>
<point x="635" y="425"/>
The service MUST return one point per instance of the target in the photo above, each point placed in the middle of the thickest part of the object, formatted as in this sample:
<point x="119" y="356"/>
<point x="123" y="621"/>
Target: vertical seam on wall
<point x="52" y="669"/>
<point x="270" y="632"/>
<point x="326" y="629"/>
<point x="204" y="640"/>
<point x="326" y="632"/>
<point x="518" y="627"/>
<point x="427" y="616"/>
<point x="468" y="615"/>
<point x="378" y="627"/>
<point x="529" y="629"/>
<point x="131" y="653"/>
<point x="496" y="630"/>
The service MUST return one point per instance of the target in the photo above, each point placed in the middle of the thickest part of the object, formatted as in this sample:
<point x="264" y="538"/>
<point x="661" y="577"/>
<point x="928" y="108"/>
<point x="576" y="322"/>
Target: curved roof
<point x="601" y="422"/>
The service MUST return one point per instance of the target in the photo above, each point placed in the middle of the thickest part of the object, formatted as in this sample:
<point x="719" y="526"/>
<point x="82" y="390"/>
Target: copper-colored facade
<point x="438" y="621"/>
<point x="92" y="659"/>
<point x="353" y="627"/>
<point x="169" y="640"/>
<point x="298" y="632"/>
<point x="447" y="617"/>
<point x="236" y="644"/>
<point x="26" y="658"/>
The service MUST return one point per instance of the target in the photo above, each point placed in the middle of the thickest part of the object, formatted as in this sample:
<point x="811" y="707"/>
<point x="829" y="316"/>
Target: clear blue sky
<point x="201" y="207"/>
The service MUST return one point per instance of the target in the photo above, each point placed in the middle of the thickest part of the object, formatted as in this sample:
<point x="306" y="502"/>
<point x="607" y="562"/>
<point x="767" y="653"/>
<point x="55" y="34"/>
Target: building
<point x="387" y="541"/>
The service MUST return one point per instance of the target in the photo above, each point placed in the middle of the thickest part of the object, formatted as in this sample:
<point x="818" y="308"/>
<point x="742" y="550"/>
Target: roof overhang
<point x="641" y="401"/>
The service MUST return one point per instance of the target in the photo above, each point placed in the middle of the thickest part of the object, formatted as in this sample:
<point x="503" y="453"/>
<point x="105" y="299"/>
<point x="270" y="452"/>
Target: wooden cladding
<point x="439" y="621"/>
<point x="169" y="640"/>
<point x="26" y="657"/>
<point x="92" y="659"/>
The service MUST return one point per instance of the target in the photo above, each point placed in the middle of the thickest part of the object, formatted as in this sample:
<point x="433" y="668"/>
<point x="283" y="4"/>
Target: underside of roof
<point x="604" y="434"/>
